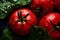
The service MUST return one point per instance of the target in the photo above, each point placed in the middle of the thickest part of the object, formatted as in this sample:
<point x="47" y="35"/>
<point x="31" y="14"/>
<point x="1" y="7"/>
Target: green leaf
<point x="21" y="2"/>
<point x="4" y="7"/>
<point x="7" y="35"/>
<point x="2" y="14"/>
<point x="13" y="1"/>
<point x="38" y="33"/>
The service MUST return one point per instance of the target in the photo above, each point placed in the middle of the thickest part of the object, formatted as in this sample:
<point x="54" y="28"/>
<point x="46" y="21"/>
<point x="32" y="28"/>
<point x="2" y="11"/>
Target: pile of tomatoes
<point x="21" y="20"/>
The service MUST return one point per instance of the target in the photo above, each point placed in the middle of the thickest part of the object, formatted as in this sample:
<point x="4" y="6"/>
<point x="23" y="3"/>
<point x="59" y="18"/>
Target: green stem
<point x="3" y="10"/>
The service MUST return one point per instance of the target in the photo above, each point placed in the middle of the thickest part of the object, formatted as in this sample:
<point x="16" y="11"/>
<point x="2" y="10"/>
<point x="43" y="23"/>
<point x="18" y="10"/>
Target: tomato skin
<point x="34" y="4"/>
<point x="46" y="5"/>
<point x="47" y="25"/>
<point x="57" y="4"/>
<point x="17" y="27"/>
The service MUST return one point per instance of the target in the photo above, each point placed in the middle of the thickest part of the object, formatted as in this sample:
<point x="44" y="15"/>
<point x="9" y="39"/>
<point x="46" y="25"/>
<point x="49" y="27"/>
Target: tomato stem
<point x="21" y="18"/>
<point x="56" y="27"/>
<point x="35" y="26"/>
<point x="25" y="16"/>
<point x="20" y="14"/>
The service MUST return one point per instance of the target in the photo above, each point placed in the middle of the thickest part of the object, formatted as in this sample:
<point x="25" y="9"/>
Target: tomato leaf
<point x="2" y="15"/>
<point x="38" y="34"/>
<point x="4" y="8"/>
<point x="21" y="2"/>
<point x="7" y="35"/>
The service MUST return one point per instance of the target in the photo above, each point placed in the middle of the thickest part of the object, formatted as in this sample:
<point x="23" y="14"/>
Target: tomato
<point x="21" y="21"/>
<point x="35" y="4"/>
<point x="51" y="23"/>
<point x="46" y="5"/>
<point x="57" y="4"/>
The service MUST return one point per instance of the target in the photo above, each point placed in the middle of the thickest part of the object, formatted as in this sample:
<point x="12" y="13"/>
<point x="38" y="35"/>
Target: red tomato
<point x="46" y="5"/>
<point x="50" y="23"/>
<point x="21" y="21"/>
<point x="57" y="4"/>
<point x="35" y="4"/>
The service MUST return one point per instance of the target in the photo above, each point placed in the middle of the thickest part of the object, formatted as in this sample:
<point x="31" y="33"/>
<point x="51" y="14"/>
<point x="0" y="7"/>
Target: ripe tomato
<point x="21" y="21"/>
<point x="50" y="23"/>
<point x="57" y="4"/>
<point x="35" y="4"/>
<point x="46" y="5"/>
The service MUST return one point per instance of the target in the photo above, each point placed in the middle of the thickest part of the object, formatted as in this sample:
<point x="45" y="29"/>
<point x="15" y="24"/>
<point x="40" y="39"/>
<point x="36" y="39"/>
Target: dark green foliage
<point x="7" y="35"/>
<point x="38" y="33"/>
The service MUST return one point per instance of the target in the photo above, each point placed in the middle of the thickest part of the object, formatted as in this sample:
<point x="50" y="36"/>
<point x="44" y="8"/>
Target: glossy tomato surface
<point x="46" y="5"/>
<point x="57" y="4"/>
<point x="22" y="20"/>
<point x="49" y="23"/>
<point x="35" y="4"/>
